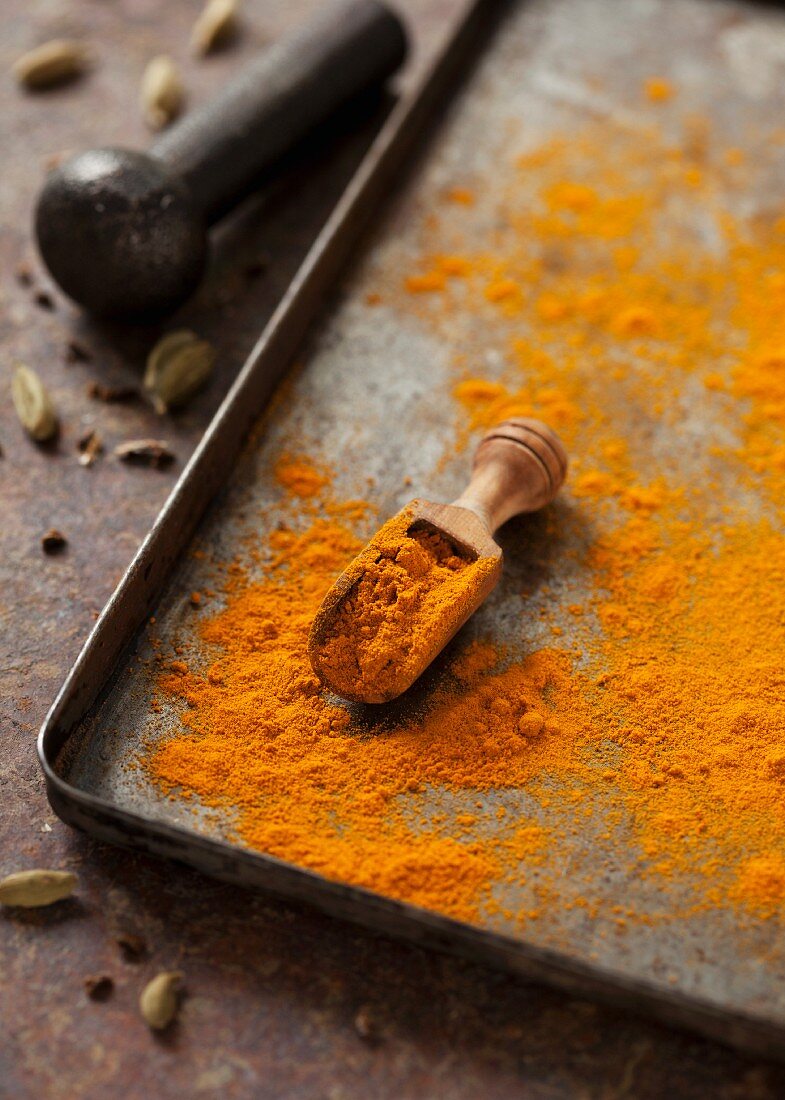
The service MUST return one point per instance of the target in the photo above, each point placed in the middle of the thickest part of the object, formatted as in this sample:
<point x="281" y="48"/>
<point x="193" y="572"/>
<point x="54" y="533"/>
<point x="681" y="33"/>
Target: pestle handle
<point x="222" y="148"/>
<point x="519" y="466"/>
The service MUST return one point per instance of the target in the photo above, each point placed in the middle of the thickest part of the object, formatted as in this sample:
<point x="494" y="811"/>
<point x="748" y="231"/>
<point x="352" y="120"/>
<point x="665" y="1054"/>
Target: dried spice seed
<point x="52" y="63"/>
<point x="133" y="947"/>
<point x="99" y="987"/>
<point x="32" y="889"/>
<point x="77" y="353"/>
<point x="145" y="452"/>
<point x="159" y="1000"/>
<point x="111" y="394"/>
<point x="33" y="404"/>
<point x="43" y="299"/>
<point x="215" y="25"/>
<point x="162" y="93"/>
<point x="53" y="541"/>
<point x="366" y="1024"/>
<point x="90" y="446"/>
<point x="178" y="367"/>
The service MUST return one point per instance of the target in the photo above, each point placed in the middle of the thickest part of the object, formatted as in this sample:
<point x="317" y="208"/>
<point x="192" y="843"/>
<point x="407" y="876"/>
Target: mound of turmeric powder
<point x="413" y="589"/>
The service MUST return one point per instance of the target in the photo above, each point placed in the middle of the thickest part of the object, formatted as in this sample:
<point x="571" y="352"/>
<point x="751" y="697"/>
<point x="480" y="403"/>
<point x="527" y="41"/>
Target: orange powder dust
<point x="623" y="315"/>
<point x="658" y="90"/>
<point x="648" y="326"/>
<point x="299" y="477"/>
<point x="412" y="591"/>
<point x="423" y="284"/>
<point x="462" y="196"/>
<point x="316" y="785"/>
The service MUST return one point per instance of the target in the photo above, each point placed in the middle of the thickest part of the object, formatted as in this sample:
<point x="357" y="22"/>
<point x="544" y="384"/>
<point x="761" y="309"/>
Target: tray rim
<point x="379" y="913"/>
<point x="107" y="645"/>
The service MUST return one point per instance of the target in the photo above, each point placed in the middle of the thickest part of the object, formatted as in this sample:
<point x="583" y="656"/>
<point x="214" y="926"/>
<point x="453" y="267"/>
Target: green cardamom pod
<point x="178" y="366"/>
<point x="31" y="889"/>
<point x="162" y="92"/>
<point x="52" y="63"/>
<point x="159" y="999"/>
<point x="214" y="25"/>
<point x="33" y="404"/>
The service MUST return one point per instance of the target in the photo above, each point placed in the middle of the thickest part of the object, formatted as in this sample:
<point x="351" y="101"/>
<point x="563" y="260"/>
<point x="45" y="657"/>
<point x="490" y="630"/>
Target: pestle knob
<point x="124" y="233"/>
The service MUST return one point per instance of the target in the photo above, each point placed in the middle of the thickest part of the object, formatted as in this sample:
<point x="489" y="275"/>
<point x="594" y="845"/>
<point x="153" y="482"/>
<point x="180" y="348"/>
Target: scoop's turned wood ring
<point x="519" y="466"/>
<point x="539" y="438"/>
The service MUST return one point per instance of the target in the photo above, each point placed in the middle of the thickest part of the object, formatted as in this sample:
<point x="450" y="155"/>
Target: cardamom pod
<point x="177" y="367"/>
<point x="52" y="63"/>
<point x="162" y="92"/>
<point x="213" y="26"/>
<point x="30" y="889"/>
<point x="159" y="999"/>
<point x="33" y="404"/>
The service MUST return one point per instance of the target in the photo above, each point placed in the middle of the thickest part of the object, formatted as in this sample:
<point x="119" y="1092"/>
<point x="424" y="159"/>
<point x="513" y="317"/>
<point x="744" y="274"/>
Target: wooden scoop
<point x="519" y="466"/>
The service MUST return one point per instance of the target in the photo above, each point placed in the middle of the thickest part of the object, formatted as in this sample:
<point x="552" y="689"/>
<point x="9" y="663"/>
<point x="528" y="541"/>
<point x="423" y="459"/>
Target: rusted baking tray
<point x="370" y="399"/>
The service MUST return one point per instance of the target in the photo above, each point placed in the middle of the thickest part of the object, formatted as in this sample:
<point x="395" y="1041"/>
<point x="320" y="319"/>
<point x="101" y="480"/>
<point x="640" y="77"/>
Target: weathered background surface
<point x="273" y="991"/>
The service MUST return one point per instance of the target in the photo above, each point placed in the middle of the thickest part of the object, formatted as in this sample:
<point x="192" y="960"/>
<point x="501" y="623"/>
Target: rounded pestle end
<point x="120" y="235"/>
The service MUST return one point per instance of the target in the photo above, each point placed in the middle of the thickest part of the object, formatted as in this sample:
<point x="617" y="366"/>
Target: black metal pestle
<point x="124" y="233"/>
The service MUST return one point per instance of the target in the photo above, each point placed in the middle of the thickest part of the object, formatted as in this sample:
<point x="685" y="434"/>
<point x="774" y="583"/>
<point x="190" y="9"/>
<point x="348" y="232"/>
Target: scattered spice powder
<point x="658" y="90"/>
<point x="300" y="477"/>
<point x="665" y="704"/>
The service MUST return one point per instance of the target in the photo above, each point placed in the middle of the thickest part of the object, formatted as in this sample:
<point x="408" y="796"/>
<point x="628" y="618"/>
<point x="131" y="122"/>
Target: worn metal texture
<point x="362" y="361"/>
<point x="273" y="990"/>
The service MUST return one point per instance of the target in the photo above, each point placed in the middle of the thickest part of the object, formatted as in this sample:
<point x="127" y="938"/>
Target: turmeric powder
<point x="644" y="697"/>
<point x="411" y="587"/>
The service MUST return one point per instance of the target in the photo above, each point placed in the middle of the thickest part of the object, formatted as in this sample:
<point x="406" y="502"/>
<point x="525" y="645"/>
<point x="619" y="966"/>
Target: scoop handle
<point x="519" y="466"/>
<point x="222" y="148"/>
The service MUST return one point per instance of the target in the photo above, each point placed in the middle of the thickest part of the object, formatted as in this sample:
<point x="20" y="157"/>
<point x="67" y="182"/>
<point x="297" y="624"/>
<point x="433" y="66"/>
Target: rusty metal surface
<point x="273" y="991"/>
<point x="700" y="970"/>
<point x="362" y="361"/>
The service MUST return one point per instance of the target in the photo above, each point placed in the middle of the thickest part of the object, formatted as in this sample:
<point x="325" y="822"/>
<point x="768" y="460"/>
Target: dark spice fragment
<point x="145" y="452"/>
<point x="44" y="300"/>
<point x="77" y="353"/>
<point x="99" y="987"/>
<point x="366" y="1025"/>
<point x="133" y="947"/>
<point x="111" y="394"/>
<point x="254" y="268"/>
<point x="90" y="446"/>
<point x="53" y="542"/>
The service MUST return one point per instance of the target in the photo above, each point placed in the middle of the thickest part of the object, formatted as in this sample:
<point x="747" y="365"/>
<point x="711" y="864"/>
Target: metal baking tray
<point x="358" y="366"/>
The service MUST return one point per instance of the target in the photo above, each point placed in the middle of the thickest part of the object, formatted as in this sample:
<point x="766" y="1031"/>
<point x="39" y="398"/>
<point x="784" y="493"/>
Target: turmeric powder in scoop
<point x="413" y="584"/>
<point x="429" y="568"/>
